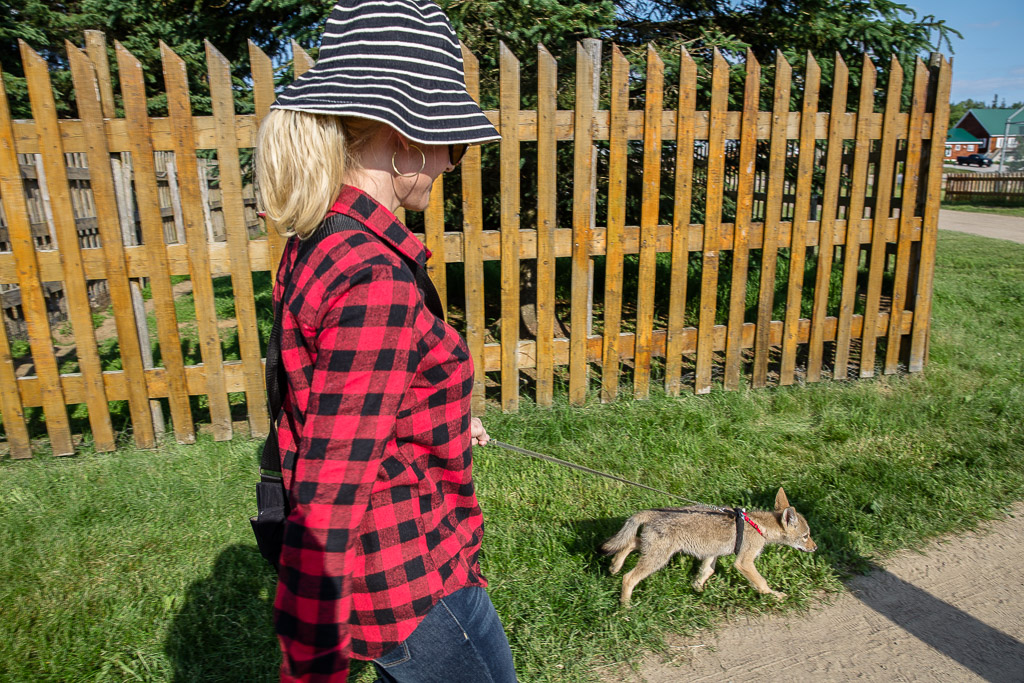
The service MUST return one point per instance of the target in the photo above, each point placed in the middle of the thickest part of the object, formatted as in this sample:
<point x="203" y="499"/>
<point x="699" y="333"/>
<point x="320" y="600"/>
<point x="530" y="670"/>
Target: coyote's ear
<point x="781" y="502"/>
<point x="789" y="518"/>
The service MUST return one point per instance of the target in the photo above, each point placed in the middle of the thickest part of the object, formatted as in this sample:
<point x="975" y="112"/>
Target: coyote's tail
<point x="627" y="533"/>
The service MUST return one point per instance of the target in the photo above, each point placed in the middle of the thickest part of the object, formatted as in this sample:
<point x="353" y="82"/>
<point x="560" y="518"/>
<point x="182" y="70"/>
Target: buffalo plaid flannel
<point x="375" y="443"/>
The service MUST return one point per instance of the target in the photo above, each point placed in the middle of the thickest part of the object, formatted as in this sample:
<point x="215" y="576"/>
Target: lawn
<point x="141" y="566"/>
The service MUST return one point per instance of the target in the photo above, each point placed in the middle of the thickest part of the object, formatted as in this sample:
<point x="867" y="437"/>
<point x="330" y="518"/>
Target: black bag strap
<point x="276" y="378"/>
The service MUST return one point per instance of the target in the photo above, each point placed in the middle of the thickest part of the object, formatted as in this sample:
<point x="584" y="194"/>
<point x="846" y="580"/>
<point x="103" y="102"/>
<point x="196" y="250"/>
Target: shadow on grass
<point x="224" y="631"/>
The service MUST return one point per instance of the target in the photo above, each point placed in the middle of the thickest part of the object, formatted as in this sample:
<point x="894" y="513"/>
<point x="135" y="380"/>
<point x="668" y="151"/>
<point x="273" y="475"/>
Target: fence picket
<point x="879" y="220"/>
<point x="44" y="111"/>
<point x="179" y="109"/>
<point x="941" y="76"/>
<point x="650" y="198"/>
<point x="222" y="99"/>
<point x="509" y="120"/>
<point x="772" y="218"/>
<point x="19" y="231"/>
<point x="854" y="218"/>
<point x="301" y="61"/>
<point x="801" y="213"/>
<point x="908" y="203"/>
<point x="826" y="228"/>
<point x="741" y="226"/>
<point x="133" y="93"/>
<point x="587" y="68"/>
<point x="101" y="181"/>
<point x="617" y="155"/>
<point x="263" y="97"/>
<point x="96" y="48"/>
<point x="433" y="238"/>
<point x="712" y="223"/>
<point x="547" y="221"/>
<point x="472" y="249"/>
<point x="680" y="247"/>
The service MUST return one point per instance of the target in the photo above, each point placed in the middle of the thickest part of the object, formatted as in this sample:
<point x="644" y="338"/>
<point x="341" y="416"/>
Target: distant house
<point x="960" y="143"/>
<point x="989" y="126"/>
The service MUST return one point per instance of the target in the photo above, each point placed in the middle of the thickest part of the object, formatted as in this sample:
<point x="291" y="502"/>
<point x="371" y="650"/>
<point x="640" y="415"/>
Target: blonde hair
<point x="301" y="163"/>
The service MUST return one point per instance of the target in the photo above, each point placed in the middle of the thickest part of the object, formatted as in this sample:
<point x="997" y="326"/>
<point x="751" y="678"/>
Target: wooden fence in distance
<point x="967" y="188"/>
<point x="856" y="193"/>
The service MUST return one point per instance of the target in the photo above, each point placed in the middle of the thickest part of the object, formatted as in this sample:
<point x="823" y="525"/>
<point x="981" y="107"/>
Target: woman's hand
<point x="477" y="434"/>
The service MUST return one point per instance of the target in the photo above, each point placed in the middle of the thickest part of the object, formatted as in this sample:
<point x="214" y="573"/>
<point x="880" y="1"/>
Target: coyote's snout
<point x="707" y="535"/>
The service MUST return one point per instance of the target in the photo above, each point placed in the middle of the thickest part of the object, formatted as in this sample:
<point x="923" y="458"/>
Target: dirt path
<point x="953" y="613"/>
<point x="984" y="224"/>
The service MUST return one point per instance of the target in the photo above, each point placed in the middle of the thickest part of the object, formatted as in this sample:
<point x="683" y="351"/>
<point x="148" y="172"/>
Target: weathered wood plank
<point x="44" y="111"/>
<point x="223" y="103"/>
<point x="649" y="200"/>
<point x="680" y="239"/>
<point x="472" y="230"/>
<point x="741" y="230"/>
<point x="830" y="207"/>
<point x="851" y="252"/>
<point x="301" y="61"/>
<point x="101" y="181"/>
<point x="942" y="74"/>
<point x="773" y="213"/>
<point x="96" y="48"/>
<point x="908" y="206"/>
<point x="617" y="155"/>
<point x="582" y="207"/>
<point x="547" y="220"/>
<point x="263" y="97"/>
<point x="712" y="223"/>
<point x="34" y="308"/>
<point x="133" y="93"/>
<point x="179" y="108"/>
<point x="510" y="102"/>
<point x="433" y="237"/>
<point x="801" y="211"/>
<point x="883" y="198"/>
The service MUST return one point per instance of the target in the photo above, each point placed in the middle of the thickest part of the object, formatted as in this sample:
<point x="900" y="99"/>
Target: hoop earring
<point x="423" y="163"/>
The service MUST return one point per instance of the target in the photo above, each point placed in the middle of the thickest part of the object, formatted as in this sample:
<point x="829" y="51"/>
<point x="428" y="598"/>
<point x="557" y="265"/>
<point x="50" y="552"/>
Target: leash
<point x="739" y="513"/>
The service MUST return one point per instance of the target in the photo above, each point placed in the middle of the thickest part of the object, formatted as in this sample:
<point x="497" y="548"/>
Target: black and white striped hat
<point x="394" y="61"/>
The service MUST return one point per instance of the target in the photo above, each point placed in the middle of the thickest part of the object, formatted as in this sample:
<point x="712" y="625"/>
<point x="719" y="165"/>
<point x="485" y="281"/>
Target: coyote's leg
<point x="707" y="568"/>
<point x="745" y="565"/>
<point x="647" y="565"/>
<point x="620" y="556"/>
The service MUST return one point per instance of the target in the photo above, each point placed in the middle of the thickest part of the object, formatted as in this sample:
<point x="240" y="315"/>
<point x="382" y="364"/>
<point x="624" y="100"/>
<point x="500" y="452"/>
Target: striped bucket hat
<point x="394" y="61"/>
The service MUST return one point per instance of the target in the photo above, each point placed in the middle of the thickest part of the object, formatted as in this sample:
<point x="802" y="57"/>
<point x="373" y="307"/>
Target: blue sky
<point x="990" y="58"/>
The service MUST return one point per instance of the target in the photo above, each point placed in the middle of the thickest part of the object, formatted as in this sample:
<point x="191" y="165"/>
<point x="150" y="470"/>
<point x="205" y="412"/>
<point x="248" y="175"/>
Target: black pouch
<point x="268" y="524"/>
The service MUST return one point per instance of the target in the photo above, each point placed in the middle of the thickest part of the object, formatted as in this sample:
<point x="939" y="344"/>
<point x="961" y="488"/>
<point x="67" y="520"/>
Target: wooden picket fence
<point x="965" y="188"/>
<point x="877" y="197"/>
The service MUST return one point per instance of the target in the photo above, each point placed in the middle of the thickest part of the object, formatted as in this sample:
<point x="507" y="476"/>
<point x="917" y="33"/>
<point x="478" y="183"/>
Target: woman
<point x="380" y="552"/>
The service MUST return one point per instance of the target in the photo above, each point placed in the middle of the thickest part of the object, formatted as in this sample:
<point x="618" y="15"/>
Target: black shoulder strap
<point x="275" y="374"/>
<point x="738" y="513"/>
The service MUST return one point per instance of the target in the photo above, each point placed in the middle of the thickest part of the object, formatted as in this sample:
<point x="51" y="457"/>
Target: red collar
<point x="358" y="204"/>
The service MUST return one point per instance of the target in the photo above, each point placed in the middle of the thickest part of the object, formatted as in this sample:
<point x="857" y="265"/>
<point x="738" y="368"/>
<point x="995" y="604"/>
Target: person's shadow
<point x="225" y="631"/>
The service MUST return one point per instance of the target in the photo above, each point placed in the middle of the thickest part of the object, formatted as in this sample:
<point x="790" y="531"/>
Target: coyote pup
<point x="707" y="535"/>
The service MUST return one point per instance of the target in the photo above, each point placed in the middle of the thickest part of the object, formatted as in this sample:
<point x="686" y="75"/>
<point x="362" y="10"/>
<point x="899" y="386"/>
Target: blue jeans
<point x="461" y="640"/>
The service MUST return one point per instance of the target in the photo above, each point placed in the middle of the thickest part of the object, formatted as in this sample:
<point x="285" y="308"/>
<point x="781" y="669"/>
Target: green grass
<point x="1001" y="210"/>
<point x="141" y="566"/>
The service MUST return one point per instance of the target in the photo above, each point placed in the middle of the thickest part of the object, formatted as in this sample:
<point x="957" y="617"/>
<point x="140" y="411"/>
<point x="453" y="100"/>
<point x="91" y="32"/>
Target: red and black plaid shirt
<point x="375" y="443"/>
